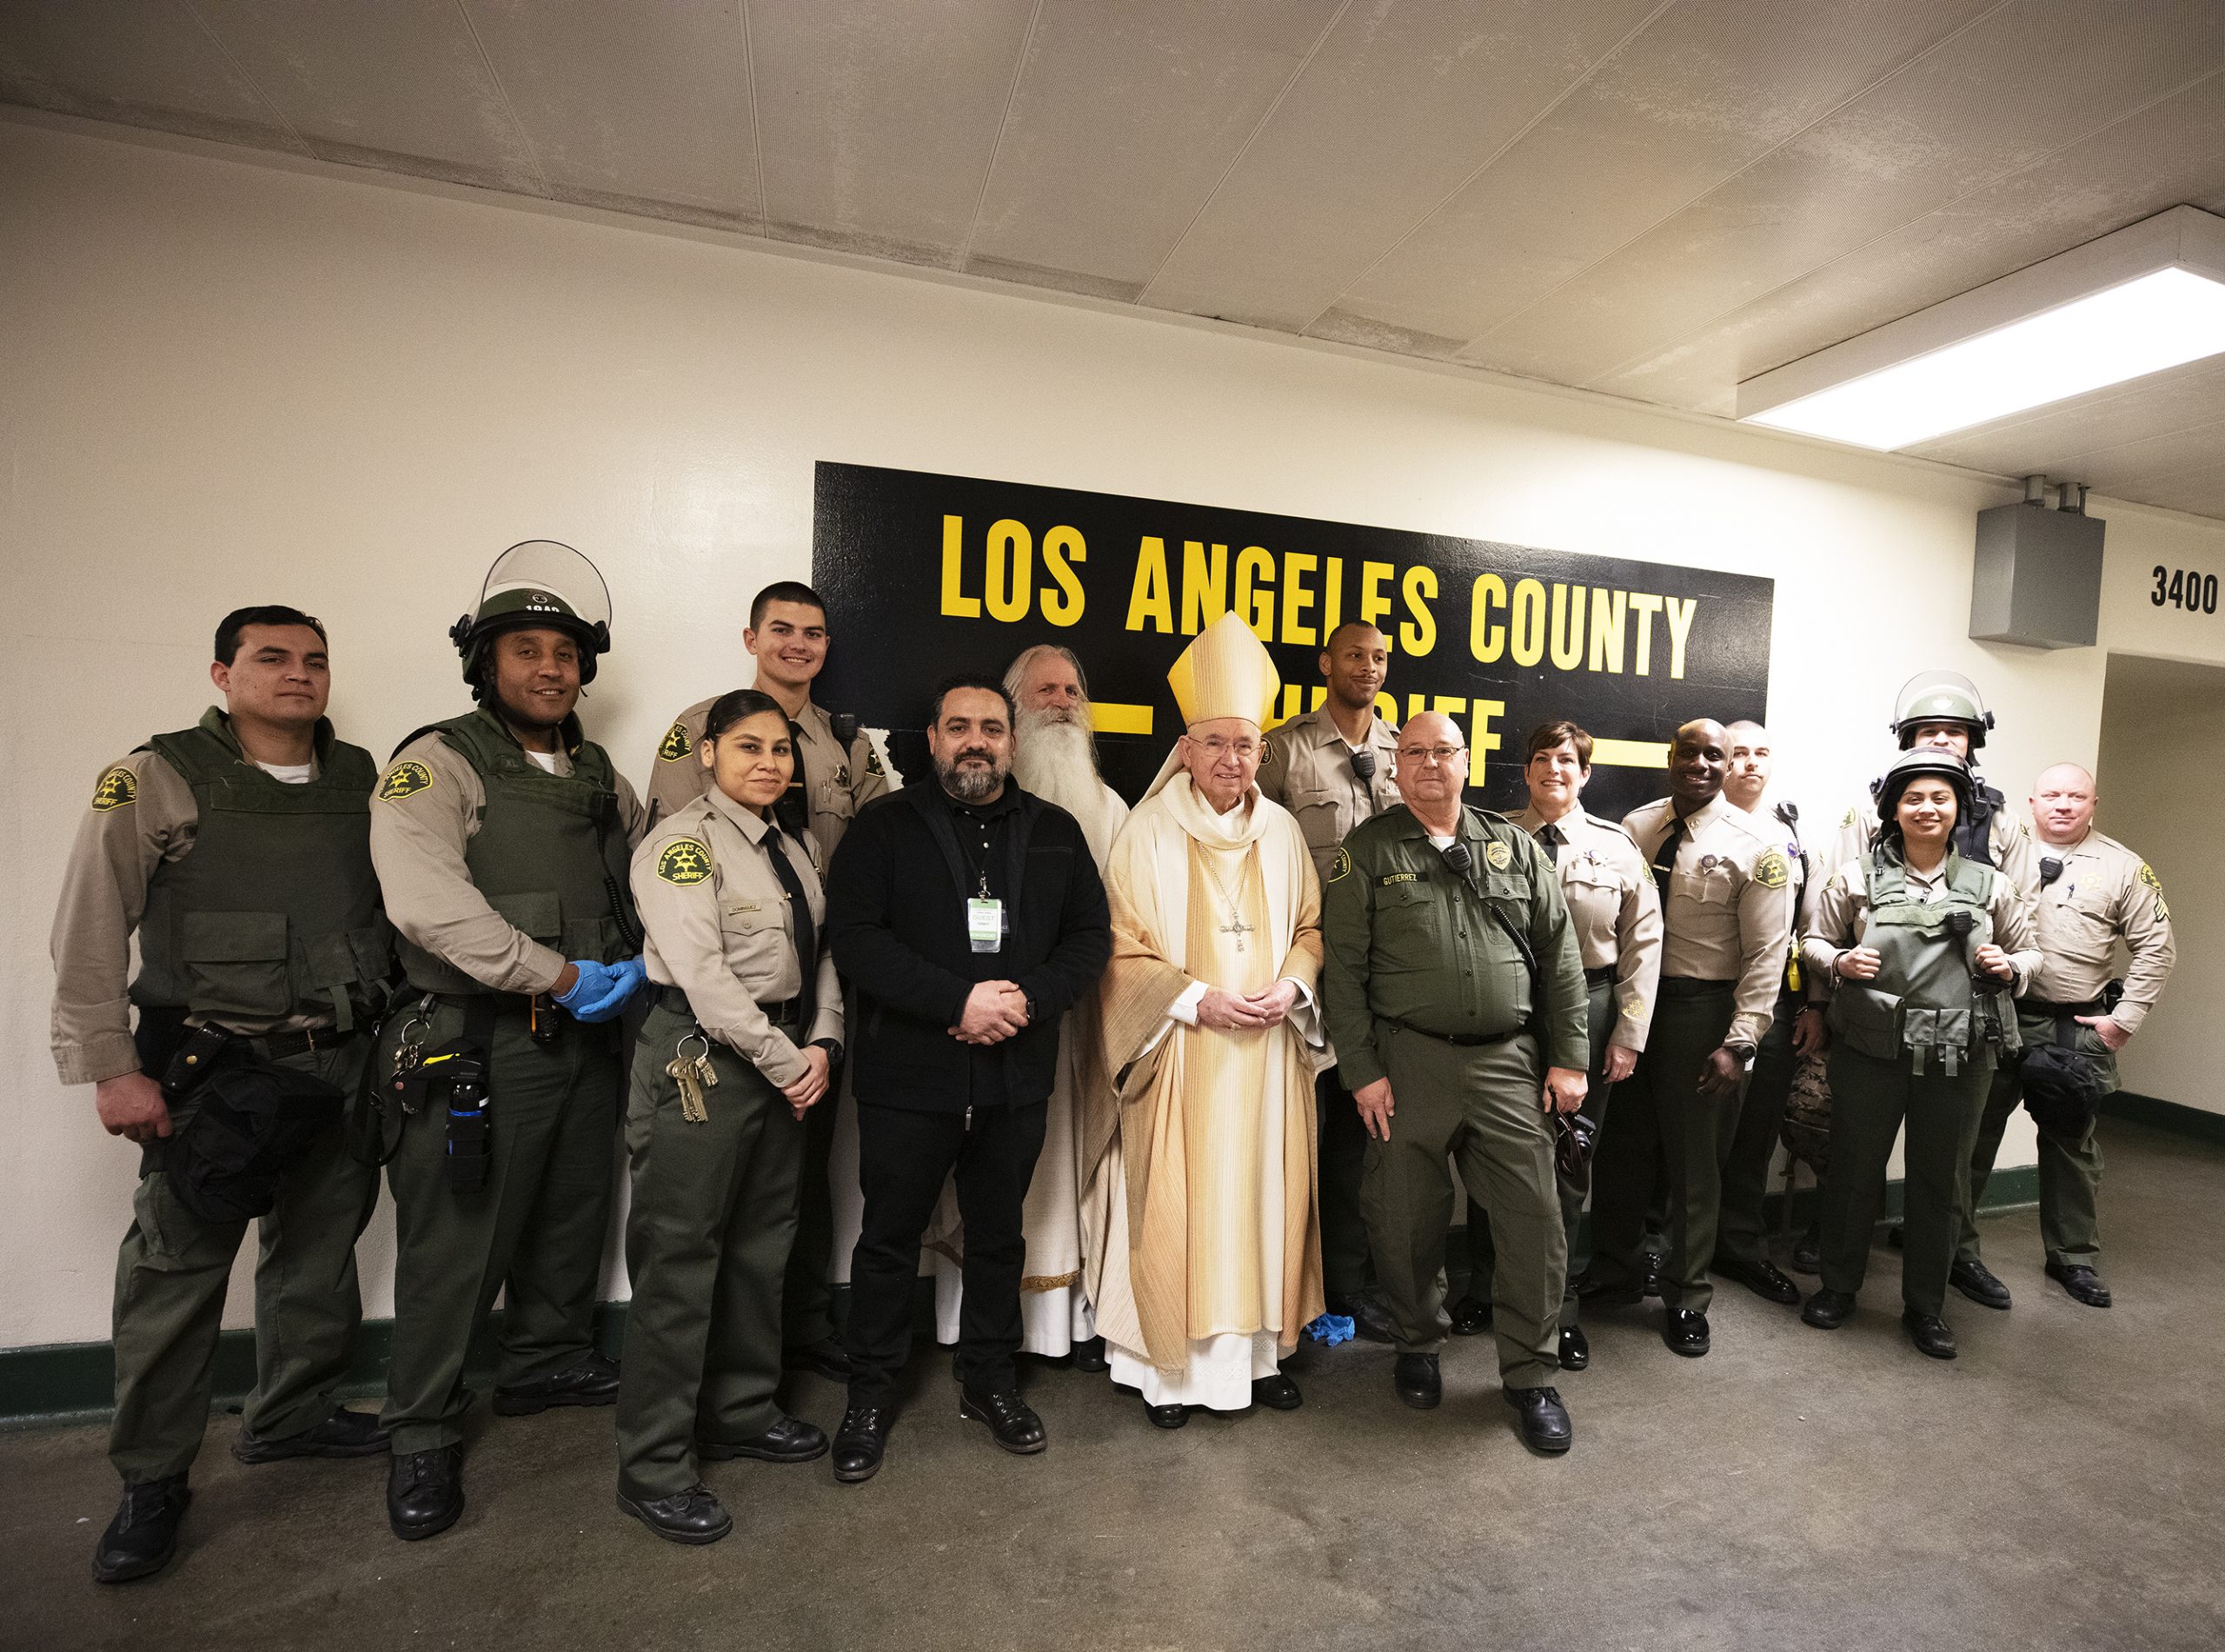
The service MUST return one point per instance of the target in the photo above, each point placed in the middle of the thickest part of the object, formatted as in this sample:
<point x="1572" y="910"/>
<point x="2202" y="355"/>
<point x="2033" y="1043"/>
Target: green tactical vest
<point x="551" y="855"/>
<point x="1922" y="1001"/>
<point x="275" y="911"/>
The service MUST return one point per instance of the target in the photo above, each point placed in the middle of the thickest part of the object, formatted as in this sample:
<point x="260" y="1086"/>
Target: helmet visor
<point x="541" y="578"/>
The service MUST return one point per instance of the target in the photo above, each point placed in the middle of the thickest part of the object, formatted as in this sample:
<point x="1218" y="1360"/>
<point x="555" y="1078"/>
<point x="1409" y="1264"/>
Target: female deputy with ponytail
<point x="740" y="1041"/>
<point x="1921" y="947"/>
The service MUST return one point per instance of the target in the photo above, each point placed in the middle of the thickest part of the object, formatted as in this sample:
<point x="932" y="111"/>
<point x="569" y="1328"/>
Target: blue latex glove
<point x="1331" y="1329"/>
<point x="594" y="980"/>
<point x="618" y="982"/>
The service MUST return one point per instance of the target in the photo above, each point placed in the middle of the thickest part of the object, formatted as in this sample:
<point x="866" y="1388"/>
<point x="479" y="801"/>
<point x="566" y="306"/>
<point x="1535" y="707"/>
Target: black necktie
<point x="792" y="807"/>
<point x="1664" y="858"/>
<point x="1550" y="835"/>
<point x="800" y="914"/>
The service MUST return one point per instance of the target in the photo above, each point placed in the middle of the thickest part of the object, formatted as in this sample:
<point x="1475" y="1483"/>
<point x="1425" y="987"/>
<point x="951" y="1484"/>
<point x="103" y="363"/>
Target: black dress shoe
<point x="1090" y="1355"/>
<point x="691" y="1517"/>
<point x="1975" y="1280"/>
<point x="1277" y="1393"/>
<point x="1605" y="1293"/>
<point x="143" y="1535"/>
<point x="1472" y="1316"/>
<point x="1685" y="1332"/>
<point x="1930" y="1334"/>
<point x="860" y="1441"/>
<point x="1542" y="1418"/>
<point x="1763" y="1279"/>
<point x="344" y="1434"/>
<point x="1369" y="1314"/>
<point x="1897" y="1236"/>
<point x="424" y="1492"/>
<point x="1576" y="1347"/>
<point x="826" y="1357"/>
<point x="1166" y="1417"/>
<point x="1652" y="1261"/>
<point x="1828" y="1310"/>
<point x="1416" y="1378"/>
<point x="1012" y="1423"/>
<point x="2081" y="1282"/>
<point x="1808" y="1252"/>
<point x="589" y="1380"/>
<point x="789" y="1440"/>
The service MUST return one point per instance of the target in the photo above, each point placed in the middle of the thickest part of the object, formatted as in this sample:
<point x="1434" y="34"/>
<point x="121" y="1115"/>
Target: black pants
<point x="1343" y="1155"/>
<point x="903" y="1156"/>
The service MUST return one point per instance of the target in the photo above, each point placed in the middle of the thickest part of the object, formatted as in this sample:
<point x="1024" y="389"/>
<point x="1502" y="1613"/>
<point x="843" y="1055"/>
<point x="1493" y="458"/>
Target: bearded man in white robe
<point x="1200" y="1213"/>
<point x="1054" y="757"/>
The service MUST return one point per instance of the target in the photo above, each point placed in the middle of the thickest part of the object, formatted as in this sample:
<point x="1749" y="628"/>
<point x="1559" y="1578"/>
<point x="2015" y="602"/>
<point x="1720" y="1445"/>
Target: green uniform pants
<point x="534" y="1230"/>
<point x="1483" y="1254"/>
<point x="1343" y="1148"/>
<point x="1870" y="1101"/>
<point x="1740" y="1232"/>
<point x="1480" y="1104"/>
<point x="713" y="1217"/>
<point x="1660" y="1116"/>
<point x="2070" y="1168"/>
<point x="171" y="1271"/>
<point x="806" y="1298"/>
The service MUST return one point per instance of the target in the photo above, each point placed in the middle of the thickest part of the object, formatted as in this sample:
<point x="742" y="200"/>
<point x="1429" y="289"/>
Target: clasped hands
<point x="994" y="1010"/>
<point x="1246" y="1013"/>
<point x="1863" y="963"/>
<point x="811" y="1088"/>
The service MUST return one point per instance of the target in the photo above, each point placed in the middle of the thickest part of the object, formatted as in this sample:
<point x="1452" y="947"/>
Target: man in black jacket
<point x="968" y="915"/>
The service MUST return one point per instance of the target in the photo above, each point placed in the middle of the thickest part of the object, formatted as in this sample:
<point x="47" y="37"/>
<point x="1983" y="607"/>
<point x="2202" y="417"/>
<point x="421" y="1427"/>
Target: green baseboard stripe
<point x="2196" y="1124"/>
<point x="76" y="1382"/>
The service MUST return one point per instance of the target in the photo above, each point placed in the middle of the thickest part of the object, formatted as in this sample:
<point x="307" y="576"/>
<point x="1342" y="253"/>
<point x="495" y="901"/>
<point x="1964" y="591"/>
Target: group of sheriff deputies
<point x="471" y="968"/>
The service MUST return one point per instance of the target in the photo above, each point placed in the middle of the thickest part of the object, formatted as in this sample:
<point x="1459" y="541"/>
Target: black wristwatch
<point x="834" y="1048"/>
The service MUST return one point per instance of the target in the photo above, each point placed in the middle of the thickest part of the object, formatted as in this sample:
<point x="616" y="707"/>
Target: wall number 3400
<point x="2181" y="588"/>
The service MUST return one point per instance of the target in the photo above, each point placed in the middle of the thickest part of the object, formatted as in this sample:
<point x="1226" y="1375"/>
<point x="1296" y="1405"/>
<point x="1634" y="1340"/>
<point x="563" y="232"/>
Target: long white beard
<point x="1057" y="761"/>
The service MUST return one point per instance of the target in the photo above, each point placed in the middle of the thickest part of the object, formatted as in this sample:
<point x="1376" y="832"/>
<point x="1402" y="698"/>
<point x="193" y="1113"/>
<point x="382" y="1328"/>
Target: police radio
<point x="1364" y="764"/>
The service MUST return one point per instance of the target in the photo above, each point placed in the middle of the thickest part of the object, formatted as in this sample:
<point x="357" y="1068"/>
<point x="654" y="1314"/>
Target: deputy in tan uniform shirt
<point x="1311" y="765"/>
<point x="1726" y="914"/>
<point x="1615" y="914"/>
<point x="788" y="637"/>
<point x="732" y="910"/>
<point x="2101" y="896"/>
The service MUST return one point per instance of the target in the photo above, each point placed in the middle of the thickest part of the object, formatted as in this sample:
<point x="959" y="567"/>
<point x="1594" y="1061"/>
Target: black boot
<point x="1542" y="1418"/>
<point x="344" y="1434"/>
<point x="789" y="1440"/>
<point x="1472" y="1316"/>
<point x="1416" y="1380"/>
<point x="424" y="1492"/>
<point x="860" y="1441"/>
<point x="1975" y="1280"/>
<point x="694" y="1516"/>
<point x="1090" y="1355"/>
<point x="1930" y="1334"/>
<point x="2081" y="1282"/>
<point x="142" y="1538"/>
<point x="1012" y="1421"/>
<point x="589" y="1380"/>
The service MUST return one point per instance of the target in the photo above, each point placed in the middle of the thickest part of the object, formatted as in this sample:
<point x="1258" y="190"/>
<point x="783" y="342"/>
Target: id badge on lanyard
<point x="985" y="920"/>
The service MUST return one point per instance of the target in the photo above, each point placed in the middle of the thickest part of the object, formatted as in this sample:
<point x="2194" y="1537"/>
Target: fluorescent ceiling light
<point x="2148" y="297"/>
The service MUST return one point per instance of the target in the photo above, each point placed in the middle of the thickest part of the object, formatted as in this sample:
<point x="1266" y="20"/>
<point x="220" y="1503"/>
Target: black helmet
<point x="537" y="582"/>
<point x="1940" y="697"/>
<point x="1924" y="759"/>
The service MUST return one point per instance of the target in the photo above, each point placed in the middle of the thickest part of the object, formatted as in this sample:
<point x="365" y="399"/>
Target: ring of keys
<point x="694" y="1074"/>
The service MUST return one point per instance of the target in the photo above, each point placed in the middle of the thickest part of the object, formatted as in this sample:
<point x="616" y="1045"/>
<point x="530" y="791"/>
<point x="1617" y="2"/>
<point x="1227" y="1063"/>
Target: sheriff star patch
<point x="405" y="780"/>
<point x="2147" y="876"/>
<point x="685" y="861"/>
<point x="1340" y="866"/>
<point x="1498" y="856"/>
<point x="115" y="789"/>
<point x="676" y="745"/>
<point x="1771" y="871"/>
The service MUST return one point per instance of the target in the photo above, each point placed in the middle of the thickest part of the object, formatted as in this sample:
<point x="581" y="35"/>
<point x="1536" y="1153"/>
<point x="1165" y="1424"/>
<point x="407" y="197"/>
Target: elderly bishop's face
<point x="1222" y="754"/>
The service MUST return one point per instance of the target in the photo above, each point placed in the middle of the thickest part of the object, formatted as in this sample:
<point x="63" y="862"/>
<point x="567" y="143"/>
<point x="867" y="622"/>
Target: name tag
<point x="984" y="923"/>
<point x="1385" y="881"/>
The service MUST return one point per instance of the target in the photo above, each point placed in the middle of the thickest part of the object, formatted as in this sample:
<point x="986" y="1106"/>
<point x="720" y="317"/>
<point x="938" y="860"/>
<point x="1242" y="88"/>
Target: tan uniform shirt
<point x="417" y="843"/>
<point x="1844" y="898"/>
<point x="2009" y="839"/>
<point x="718" y="927"/>
<point x="126" y="833"/>
<point x="1730" y="907"/>
<point x="2105" y="894"/>
<point x="1806" y="880"/>
<point x="841" y="781"/>
<point x="1307" y="768"/>
<point x="1617" y="912"/>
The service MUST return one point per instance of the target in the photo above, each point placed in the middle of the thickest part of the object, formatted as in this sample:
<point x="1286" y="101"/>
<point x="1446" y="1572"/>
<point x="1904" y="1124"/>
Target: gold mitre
<point x="1225" y="673"/>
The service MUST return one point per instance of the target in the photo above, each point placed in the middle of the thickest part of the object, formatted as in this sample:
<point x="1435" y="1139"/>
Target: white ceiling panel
<point x="127" y="60"/>
<point x="1910" y="146"/>
<point x="629" y="100"/>
<point x="400" y="83"/>
<point x="878" y="118"/>
<point x="1165" y="90"/>
<point x="2157" y="425"/>
<point x="2200" y="493"/>
<point x="1703" y="91"/>
<point x="1402" y="103"/>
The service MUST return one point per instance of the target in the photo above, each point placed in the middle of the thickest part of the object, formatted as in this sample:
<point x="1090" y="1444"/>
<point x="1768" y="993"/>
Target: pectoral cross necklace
<point x="1235" y="926"/>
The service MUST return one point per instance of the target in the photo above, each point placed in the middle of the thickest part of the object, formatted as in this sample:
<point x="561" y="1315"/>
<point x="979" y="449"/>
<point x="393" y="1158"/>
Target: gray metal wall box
<point x="2037" y="582"/>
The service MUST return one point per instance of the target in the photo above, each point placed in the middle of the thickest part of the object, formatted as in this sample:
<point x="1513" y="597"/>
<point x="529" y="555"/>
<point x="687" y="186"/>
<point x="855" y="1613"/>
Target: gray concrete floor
<point x="2060" y="1485"/>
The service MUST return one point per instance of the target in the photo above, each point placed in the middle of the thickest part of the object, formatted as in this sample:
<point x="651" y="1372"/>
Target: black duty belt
<point x="1603" y="976"/>
<point x="1463" y="1040"/>
<point x="2042" y="1007"/>
<point x="675" y="999"/>
<point x="276" y="1046"/>
<point x="1691" y="986"/>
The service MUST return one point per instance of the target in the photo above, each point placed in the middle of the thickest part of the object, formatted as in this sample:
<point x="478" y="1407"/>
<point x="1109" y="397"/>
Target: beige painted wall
<point x="231" y="382"/>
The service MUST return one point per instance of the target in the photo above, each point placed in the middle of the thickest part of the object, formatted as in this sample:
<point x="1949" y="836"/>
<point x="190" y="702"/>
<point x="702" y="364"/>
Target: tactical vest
<point x="550" y="855"/>
<point x="1974" y="832"/>
<point x="1923" y="1000"/>
<point x="275" y="911"/>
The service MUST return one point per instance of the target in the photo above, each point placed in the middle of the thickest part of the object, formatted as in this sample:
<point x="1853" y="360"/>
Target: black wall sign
<point x="925" y="576"/>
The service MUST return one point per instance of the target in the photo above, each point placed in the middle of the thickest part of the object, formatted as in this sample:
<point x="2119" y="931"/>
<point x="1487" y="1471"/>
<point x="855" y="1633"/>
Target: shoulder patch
<point x="1771" y="871"/>
<point x="872" y="760"/>
<point x="1846" y="820"/>
<point x="117" y="788"/>
<point x="1498" y="856"/>
<point x="2147" y="873"/>
<point x="685" y="861"/>
<point x="675" y="744"/>
<point x="405" y="780"/>
<point x="1341" y="866"/>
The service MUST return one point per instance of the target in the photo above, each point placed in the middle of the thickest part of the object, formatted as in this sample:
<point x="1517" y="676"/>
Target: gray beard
<point x="1056" y="761"/>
